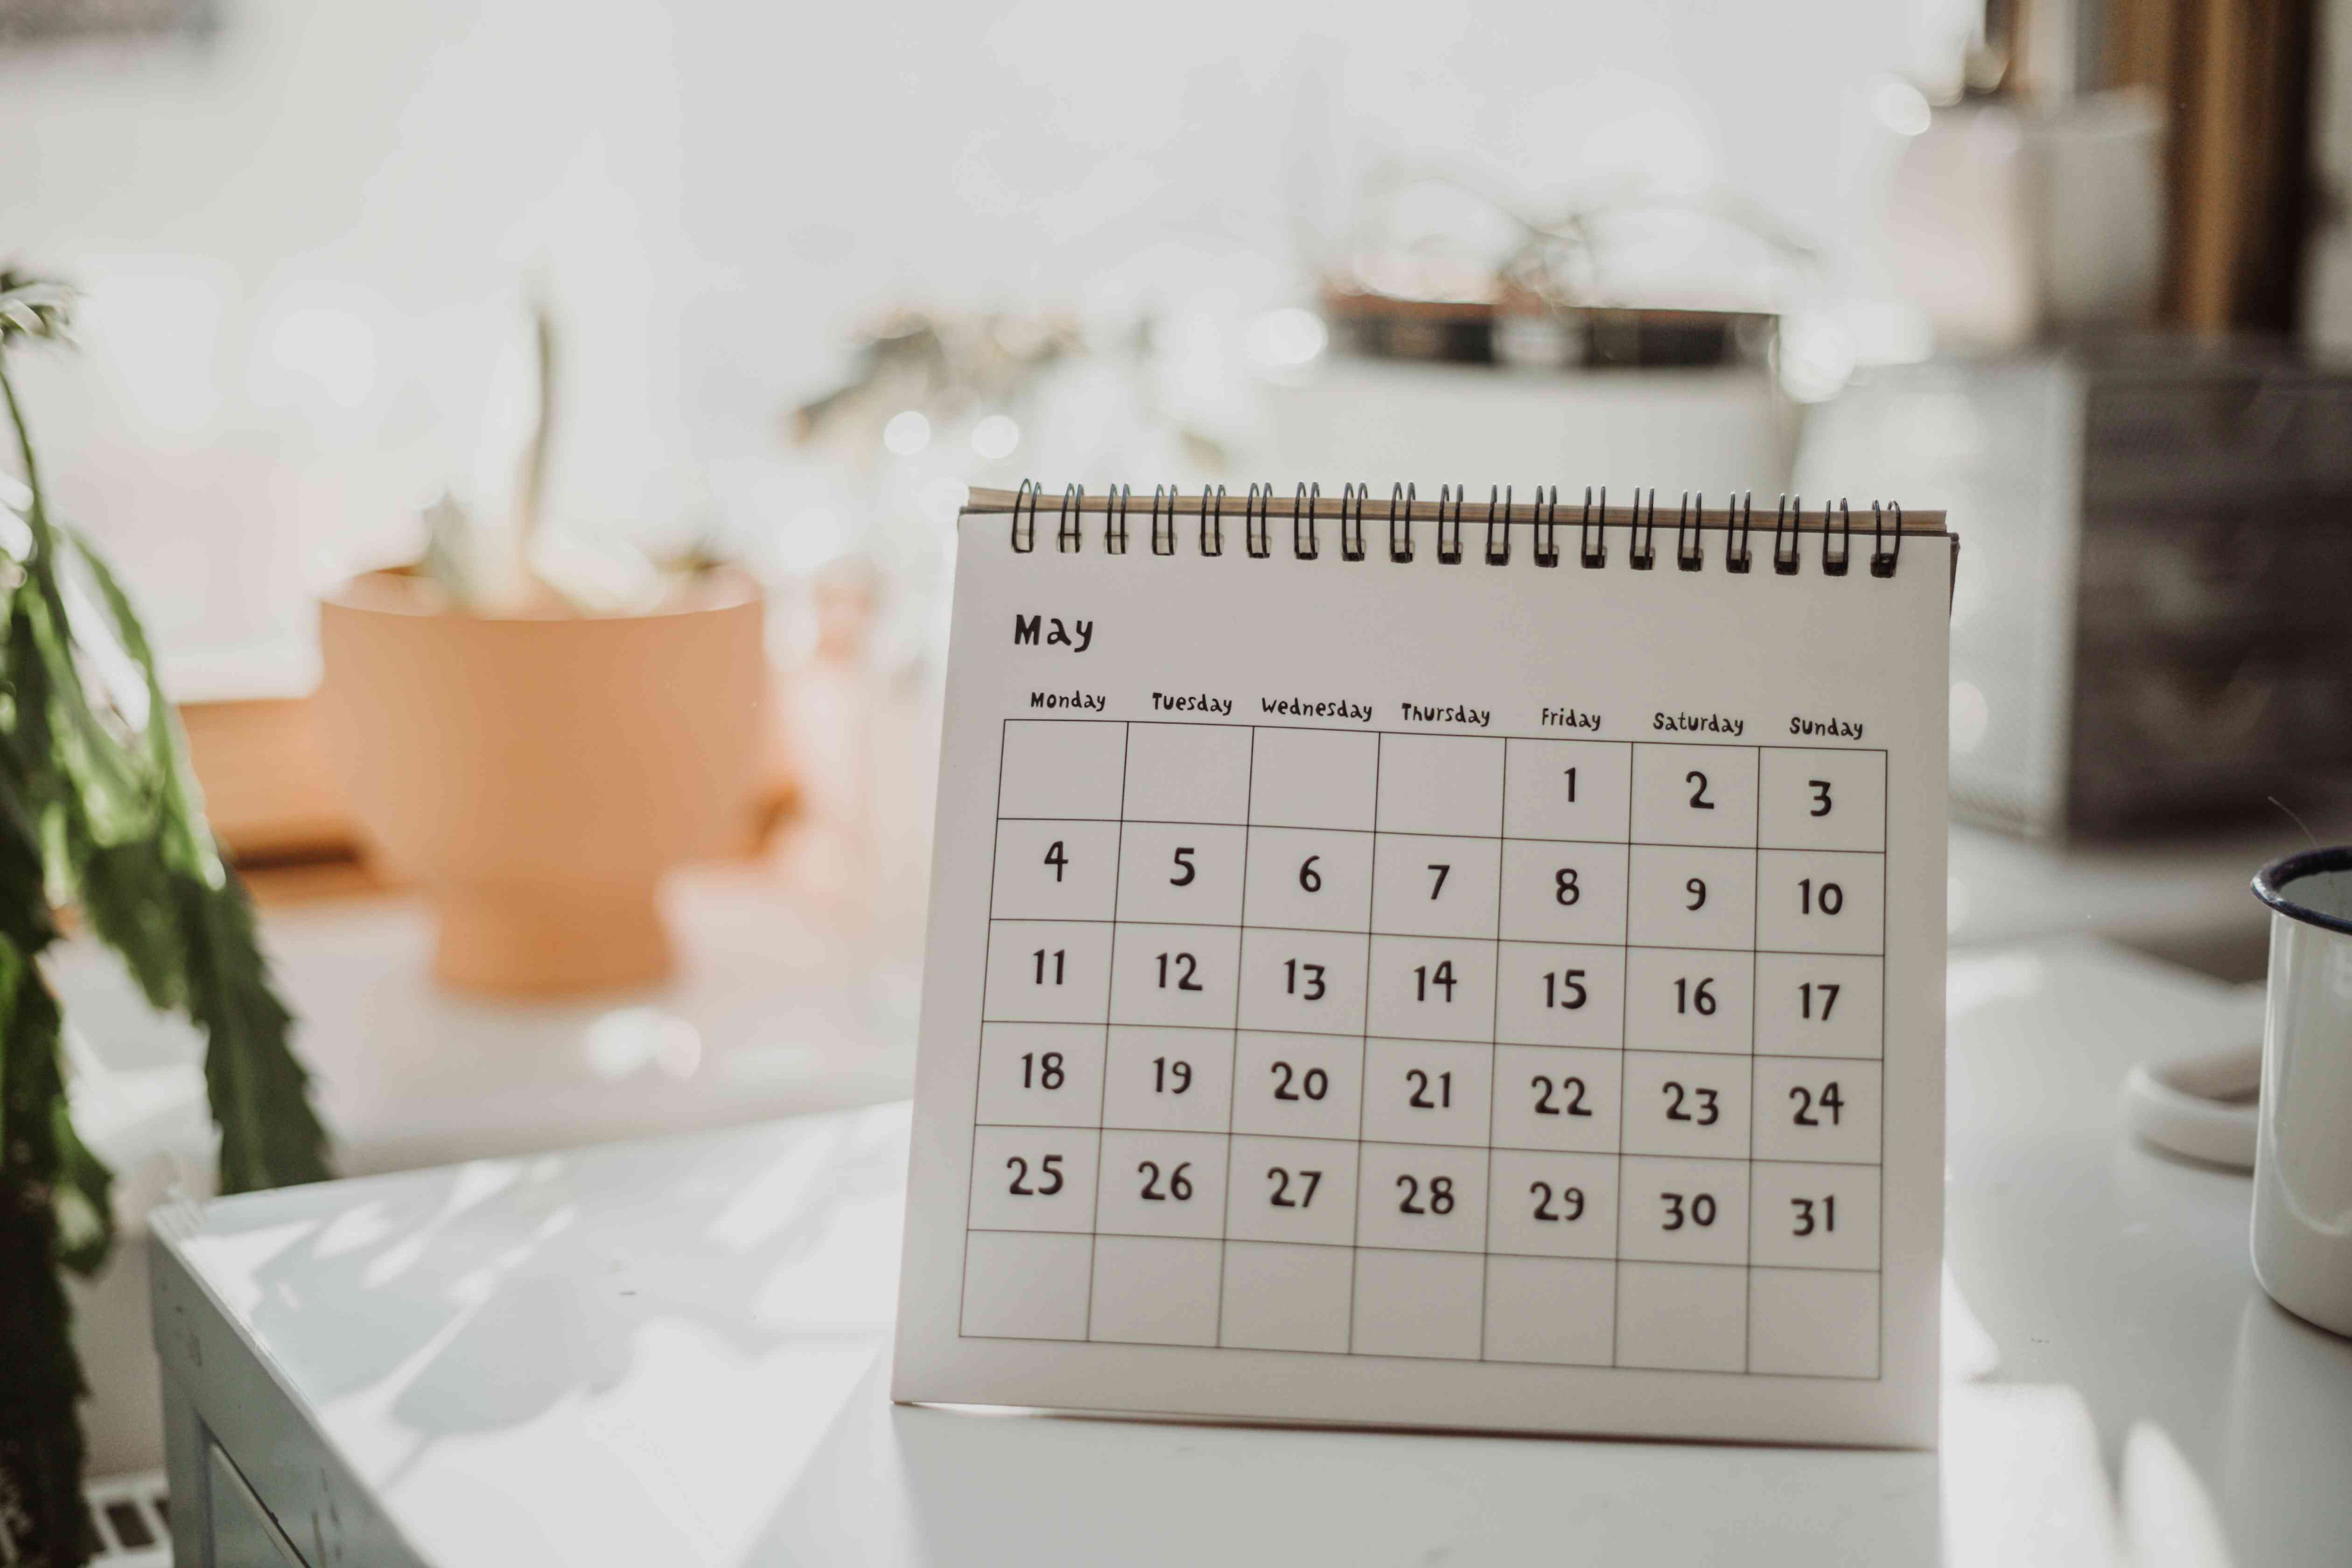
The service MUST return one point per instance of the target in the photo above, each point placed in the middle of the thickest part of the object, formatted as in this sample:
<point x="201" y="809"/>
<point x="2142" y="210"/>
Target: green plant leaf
<point x="261" y="1094"/>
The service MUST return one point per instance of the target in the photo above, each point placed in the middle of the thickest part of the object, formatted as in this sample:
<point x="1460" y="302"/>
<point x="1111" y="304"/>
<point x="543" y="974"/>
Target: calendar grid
<point x="1061" y="1004"/>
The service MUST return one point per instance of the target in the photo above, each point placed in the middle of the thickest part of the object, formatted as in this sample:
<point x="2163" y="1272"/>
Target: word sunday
<point x="1837" y="729"/>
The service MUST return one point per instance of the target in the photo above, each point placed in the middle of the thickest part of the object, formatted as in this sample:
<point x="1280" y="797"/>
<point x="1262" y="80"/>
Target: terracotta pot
<point x="537" y="774"/>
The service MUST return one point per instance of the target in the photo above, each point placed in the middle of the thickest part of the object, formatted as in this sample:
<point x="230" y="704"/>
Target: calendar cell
<point x="1818" y="900"/>
<point x="1422" y="1197"/>
<point x="1563" y="892"/>
<point x="1432" y="988"/>
<point x="1055" y="870"/>
<point x="1811" y="1005"/>
<point x="1682" y="1211"/>
<point x="1291" y="1189"/>
<point x="1681" y="1318"/>
<point x="1281" y="1298"/>
<point x="1026" y="1286"/>
<point x="1174" y="974"/>
<point x="1434" y="887"/>
<point x="1553" y="1205"/>
<point x="1180" y="872"/>
<point x="1188" y="773"/>
<point x="1546" y="1097"/>
<point x="1174" y="1080"/>
<point x="1047" y="972"/>
<point x="1418" y="1304"/>
<point x="1034" y="1178"/>
<point x="1559" y="1311"/>
<point x="1561" y="995"/>
<point x="1314" y="778"/>
<point x="1297" y="1086"/>
<point x="1822" y="800"/>
<point x="1695" y="795"/>
<point x="1161" y="1184"/>
<point x="1309" y="980"/>
<point x="1567" y="789"/>
<point x="1426" y="1091"/>
<point x="1441" y="783"/>
<point x="1041" y="1074"/>
<point x="1814" y="1217"/>
<point x="1808" y="1323"/>
<point x="1691" y="898"/>
<point x="1812" y="1109"/>
<point x="1310" y="879"/>
<point x="1689" y="999"/>
<point x="1153" y="1291"/>
<point x="1695" y="1105"/>
<point x="1062" y="768"/>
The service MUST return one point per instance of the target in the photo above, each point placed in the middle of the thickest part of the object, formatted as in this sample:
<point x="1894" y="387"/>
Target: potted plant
<point x="535" y="733"/>
<point x="97" y="811"/>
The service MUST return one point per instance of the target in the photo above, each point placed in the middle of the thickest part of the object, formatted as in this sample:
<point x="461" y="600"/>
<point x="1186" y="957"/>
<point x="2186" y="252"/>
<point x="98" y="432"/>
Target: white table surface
<point x="676" y="1351"/>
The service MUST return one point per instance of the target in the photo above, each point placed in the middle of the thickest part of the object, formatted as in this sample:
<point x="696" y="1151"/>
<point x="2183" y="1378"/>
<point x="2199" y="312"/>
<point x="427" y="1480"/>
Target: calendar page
<point x="1435" y="993"/>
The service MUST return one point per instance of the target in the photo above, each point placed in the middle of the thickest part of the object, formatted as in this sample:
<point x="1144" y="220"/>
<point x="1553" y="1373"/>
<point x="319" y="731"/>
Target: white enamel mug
<point x="2303" y="1155"/>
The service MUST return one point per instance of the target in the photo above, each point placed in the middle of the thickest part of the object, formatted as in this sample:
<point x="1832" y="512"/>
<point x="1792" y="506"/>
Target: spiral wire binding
<point x="1257" y="521"/>
<point x="1453" y="500"/>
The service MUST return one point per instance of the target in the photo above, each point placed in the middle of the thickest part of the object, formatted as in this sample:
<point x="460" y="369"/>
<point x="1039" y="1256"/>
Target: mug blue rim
<point x="2271" y="882"/>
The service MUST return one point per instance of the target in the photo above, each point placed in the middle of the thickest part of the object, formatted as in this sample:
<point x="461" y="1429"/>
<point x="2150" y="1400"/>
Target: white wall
<point x="303" y="240"/>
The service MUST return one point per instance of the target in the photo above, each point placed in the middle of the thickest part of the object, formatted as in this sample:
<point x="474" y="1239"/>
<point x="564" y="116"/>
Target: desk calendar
<point x="1374" y="980"/>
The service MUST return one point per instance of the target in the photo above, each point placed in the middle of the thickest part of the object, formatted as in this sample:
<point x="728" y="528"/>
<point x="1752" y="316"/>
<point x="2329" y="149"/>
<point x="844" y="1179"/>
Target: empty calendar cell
<point x="1306" y="878"/>
<point x="1818" y="1005"/>
<point x="1563" y="892"/>
<point x="1180" y="871"/>
<point x="1287" y="1298"/>
<point x="1422" y="1197"/>
<point x="1559" y="1311"/>
<point x="1291" y="1189"/>
<point x="1418" y="1304"/>
<point x="1297" y="1086"/>
<point x="1177" y="1080"/>
<point x="1432" y="988"/>
<point x="1814" y="1217"/>
<point x="1434" y="887"/>
<point x="1034" y="1178"/>
<point x="1682" y="1211"/>
<point x="1820" y="901"/>
<point x="1174" y="974"/>
<point x="1691" y="898"/>
<point x="1427" y="1091"/>
<point x="1155" y="1292"/>
<point x="1547" y="1098"/>
<point x="1552" y="1205"/>
<point x="1041" y="1074"/>
<point x="1567" y="789"/>
<point x="1689" y="999"/>
<point x="1681" y="1318"/>
<point x="1695" y="795"/>
<point x="1816" y="1109"/>
<point x="1560" y="995"/>
<point x="1161" y="1184"/>
<point x="1047" y="972"/>
<point x="1441" y="783"/>
<point x="1188" y="773"/>
<point x="1806" y="1324"/>
<point x="1306" y="979"/>
<point x="1314" y="778"/>
<point x="1695" y="1105"/>
<point x="1062" y="768"/>
<point x="1822" y="800"/>
<point x="1055" y="870"/>
<point x="1026" y="1286"/>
